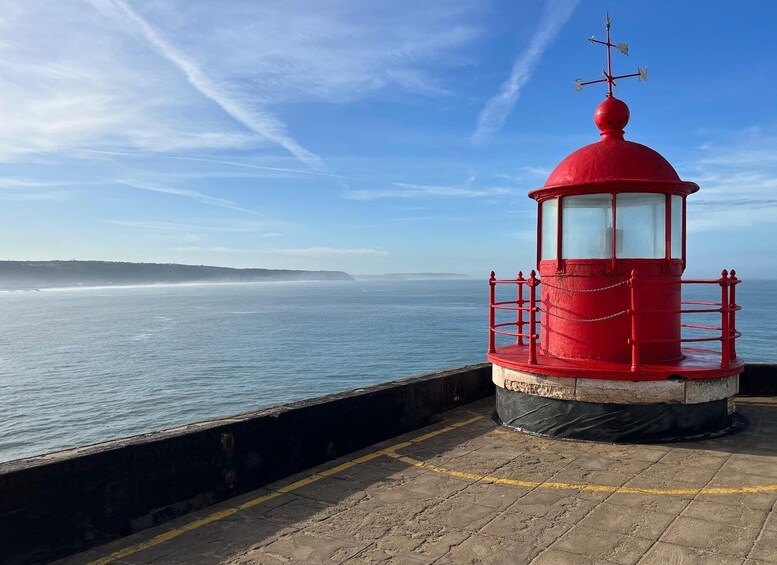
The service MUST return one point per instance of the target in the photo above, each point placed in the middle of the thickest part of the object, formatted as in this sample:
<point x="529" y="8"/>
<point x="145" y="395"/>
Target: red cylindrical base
<point x="580" y="321"/>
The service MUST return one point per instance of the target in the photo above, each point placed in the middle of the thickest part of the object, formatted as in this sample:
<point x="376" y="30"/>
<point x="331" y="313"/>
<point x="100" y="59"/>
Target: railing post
<point x="732" y="304"/>
<point x="725" y="337"/>
<point x="519" y="318"/>
<point x="532" y="318"/>
<point x="634" y="340"/>
<point x="492" y="315"/>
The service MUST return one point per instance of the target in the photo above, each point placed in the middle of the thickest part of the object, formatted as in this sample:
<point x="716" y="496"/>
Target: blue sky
<point x="370" y="137"/>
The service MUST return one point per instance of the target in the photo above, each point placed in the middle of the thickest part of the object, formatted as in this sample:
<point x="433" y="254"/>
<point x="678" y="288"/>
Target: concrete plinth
<point x="614" y="411"/>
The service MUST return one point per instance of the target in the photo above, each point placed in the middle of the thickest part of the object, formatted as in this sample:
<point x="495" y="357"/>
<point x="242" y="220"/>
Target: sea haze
<point x="86" y="365"/>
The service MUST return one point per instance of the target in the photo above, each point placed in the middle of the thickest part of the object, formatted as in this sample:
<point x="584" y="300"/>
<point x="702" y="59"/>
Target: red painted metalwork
<point x="694" y="363"/>
<point x="667" y="229"/>
<point x="519" y="313"/>
<point x="614" y="314"/>
<point x="633" y="313"/>
<point x="492" y="315"/>
<point x="533" y="318"/>
<point x="609" y="78"/>
<point x="733" y="282"/>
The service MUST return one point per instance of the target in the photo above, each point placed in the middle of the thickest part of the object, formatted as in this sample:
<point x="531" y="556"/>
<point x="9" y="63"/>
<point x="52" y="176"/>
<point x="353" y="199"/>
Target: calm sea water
<point x="86" y="365"/>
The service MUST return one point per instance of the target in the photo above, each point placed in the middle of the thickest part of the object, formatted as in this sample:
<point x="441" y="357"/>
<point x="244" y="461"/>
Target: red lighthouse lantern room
<point x="602" y="345"/>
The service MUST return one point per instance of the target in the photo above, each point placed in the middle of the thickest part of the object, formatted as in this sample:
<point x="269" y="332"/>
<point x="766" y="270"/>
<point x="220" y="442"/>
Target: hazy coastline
<point x="30" y="276"/>
<point x="39" y="275"/>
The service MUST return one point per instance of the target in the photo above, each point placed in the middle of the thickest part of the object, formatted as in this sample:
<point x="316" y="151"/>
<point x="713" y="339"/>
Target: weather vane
<point x="609" y="78"/>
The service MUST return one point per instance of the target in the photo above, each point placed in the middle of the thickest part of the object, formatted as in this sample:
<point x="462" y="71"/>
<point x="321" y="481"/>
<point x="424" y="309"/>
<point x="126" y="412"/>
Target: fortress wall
<point x="759" y="379"/>
<point x="57" y="504"/>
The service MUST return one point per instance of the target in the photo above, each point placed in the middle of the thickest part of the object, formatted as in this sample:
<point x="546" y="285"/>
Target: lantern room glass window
<point x="587" y="226"/>
<point x="641" y="225"/>
<point x="677" y="227"/>
<point x="549" y="228"/>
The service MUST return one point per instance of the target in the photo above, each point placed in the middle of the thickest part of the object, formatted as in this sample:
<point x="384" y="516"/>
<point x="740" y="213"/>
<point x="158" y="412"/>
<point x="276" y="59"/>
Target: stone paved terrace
<point x="464" y="490"/>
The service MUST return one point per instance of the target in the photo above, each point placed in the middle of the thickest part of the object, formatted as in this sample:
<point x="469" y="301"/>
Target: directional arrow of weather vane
<point x="609" y="78"/>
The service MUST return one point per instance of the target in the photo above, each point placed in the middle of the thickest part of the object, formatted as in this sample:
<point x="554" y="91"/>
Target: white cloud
<point x="254" y="118"/>
<point x="284" y="171"/>
<point x="738" y="182"/>
<point x="207" y="75"/>
<point x="313" y="252"/>
<point x="193" y="194"/>
<point x="494" y="114"/>
<point x="35" y="196"/>
<point x="537" y="171"/>
<point x="297" y="50"/>
<point x="405" y="190"/>
<point x="25" y="189"/>
<point x="67" y="80"/>
<point x="24" y="182"/>
<point x="232" y="227"/>
<point x="148" y="225"/>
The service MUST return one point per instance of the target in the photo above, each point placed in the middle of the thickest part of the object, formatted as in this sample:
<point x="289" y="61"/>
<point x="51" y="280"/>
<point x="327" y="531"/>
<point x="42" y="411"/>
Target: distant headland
<point x="411" y="276"/>
<point x="27" y="275"/>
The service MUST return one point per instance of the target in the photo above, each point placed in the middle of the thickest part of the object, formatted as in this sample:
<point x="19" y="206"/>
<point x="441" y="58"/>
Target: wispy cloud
<point x="26" y="182"/>
<point x="232" y="227"/>
<point x="213" y="75"/>
<point x="69" y="81"/>
<point x="148" y="225"/>
<point x="256" y="119"/>
<point x="313" y="252"/>
<point x="405" y="190"/>
<point x="494" y="114"/>
<point x="186" y="193"/>
<point x="428" y="219"/>
<point x="529" y="173"/>
<point x="738" y="181"/>
<point x="537" y="171"/>
<point x="35" y="196"/>
<point x="225" y="162"/>
<point x="298" y="51"/>
<point x="24" y="189"/>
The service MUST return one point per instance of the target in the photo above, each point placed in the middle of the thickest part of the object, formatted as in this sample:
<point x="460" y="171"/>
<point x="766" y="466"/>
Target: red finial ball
<point x="611" y="117"/>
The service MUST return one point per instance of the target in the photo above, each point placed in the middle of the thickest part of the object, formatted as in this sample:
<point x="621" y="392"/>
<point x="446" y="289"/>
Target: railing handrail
<point x="727" y="308"/>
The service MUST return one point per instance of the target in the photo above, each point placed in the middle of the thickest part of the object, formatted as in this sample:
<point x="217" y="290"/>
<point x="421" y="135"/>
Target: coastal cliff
<point x="16" y="275"/>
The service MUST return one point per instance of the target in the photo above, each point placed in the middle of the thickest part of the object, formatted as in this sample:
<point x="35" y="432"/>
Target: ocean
<point x="80" y="366"/>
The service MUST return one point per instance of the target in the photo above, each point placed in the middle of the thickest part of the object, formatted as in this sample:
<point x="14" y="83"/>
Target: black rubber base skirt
<point x="631" y="423"/>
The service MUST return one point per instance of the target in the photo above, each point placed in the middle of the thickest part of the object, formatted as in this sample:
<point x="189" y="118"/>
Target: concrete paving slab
<point x="602" y="546"/>
<point x="558" y="557"/>
<point x="662" y="553"/>
<point x="464" y="490"/>
<point x="765" y="549"/>
<point x="716" y="537"/>
<point x="637" y="522"/>
<point x="515" y="525"/>
<point x="482" y="548"/>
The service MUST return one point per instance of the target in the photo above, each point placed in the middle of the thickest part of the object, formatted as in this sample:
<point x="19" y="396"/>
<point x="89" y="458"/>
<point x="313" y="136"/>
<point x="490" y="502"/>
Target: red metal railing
<point x="519" y="306"/>
<point x="726" y="333"/>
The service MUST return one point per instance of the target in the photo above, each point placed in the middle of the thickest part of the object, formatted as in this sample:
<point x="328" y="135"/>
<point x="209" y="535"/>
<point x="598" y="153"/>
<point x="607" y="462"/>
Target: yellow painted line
<point x="581" y="487"/>
<point x="435" y="433"/>
<point x="216" y="516"/>
<point x="255" y="501"/>
<point x="161" y="538"/>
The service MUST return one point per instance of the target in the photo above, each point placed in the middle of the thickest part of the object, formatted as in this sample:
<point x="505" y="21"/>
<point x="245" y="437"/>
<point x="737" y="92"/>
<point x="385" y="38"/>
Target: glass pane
<point x="549" y="228"/>
<point x="587" y="227"/>
<point x="677" y="227"/>
<point x="641" y="226"/>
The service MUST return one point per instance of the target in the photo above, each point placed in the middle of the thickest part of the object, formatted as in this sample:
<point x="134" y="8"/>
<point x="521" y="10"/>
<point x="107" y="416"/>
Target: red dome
<point x="614" y="162"/>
